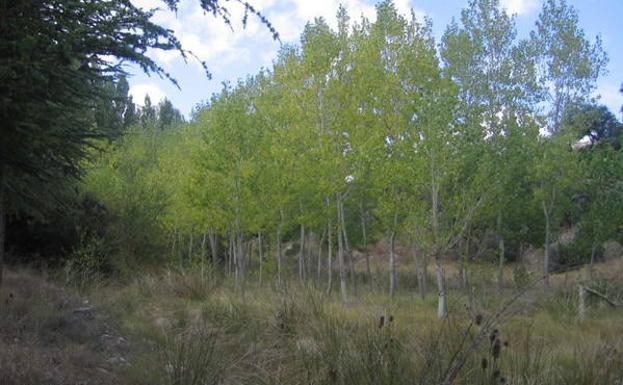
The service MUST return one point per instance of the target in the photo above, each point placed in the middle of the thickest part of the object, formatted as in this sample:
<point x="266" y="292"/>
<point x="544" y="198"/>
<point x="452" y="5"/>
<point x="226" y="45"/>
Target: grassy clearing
<point x="188" y="327"/>
<point x="303" y="336"/>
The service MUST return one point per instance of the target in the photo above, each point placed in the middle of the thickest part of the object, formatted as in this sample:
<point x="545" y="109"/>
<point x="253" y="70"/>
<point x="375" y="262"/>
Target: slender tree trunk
<point x="319" y="259"/>
<point x="348" y="252"/>
<point x="442" y="304"/>
<point x="424" y="275"/>
<point x="302" y="255"/>
<point x="233" y="259"/>
<point x="204" y="253"/>
<point x="546" y="247"/>
<point x="173" y="243"/>
<point x="329" y="258"/>
<point x="241" y="260"/>
<point x="340" y="249"/>
<point x="204" y="250"/>
<point x="501" y="252"/>
<point x="309" y="266"/>
<point x="279" y="258"/>
<point x="259" y="247"/>
<point x="392" y="264"/>
<point x="2" y="223"/>
<point x="190" y="248"/>
<point x="365" y="242"/>
<point x="230" y="254"/>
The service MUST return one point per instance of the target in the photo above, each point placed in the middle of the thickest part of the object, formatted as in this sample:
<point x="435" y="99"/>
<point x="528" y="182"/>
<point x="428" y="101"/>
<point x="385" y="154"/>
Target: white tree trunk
<point x="347" y="250"/>
<point x="279" y="259"/>
<point x="302" y="255"/>
<point x="259" y="247"/>
<point x="340" y="249"/>
<point x="329" y="258"/>
<point x="392" y="264"/>
<point x="546" y="247"/>
<point x="241" y="261"/>
<point x="319" y="259"/>
<point x="365" y="243"/>
<point x="442" y="304"/>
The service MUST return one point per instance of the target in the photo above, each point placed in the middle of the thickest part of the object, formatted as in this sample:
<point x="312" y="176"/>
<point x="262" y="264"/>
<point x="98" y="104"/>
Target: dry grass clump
<point x="49" y="336"/>
<point x="190" y="329"/>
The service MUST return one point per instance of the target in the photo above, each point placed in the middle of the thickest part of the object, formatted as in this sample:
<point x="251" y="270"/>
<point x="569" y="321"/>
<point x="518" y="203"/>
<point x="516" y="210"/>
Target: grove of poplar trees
<point x="373" y="131"/>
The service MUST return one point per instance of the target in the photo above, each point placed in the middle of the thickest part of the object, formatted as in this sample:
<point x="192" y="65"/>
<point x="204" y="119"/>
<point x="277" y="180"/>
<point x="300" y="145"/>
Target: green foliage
<point x="53" y="76"/>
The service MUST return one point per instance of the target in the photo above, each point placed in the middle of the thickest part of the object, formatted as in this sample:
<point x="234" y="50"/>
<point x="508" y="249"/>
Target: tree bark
<point x="230" y="253"/>
<point x="365" y="242"/>
<point x="259" y="247"/>
<point x="340" y="249"/>
<point x="442" y="304"/>
<point x="204" y="251"/>
<point x="241" y="260"/>
<point x="279" y="258"/>
<point x="347" y="250"/>
<point x="329" y="258"/>
<point x="319" y="259"/>
<point x="302" y="255"/>
<point x="233" y="256"/>
<point x="546" y="247"/>
<point x="392" y="264"/>
<point x="190" y="249"/>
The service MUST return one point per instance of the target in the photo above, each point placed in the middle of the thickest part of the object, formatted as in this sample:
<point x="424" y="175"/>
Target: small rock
<point x="117" y="361"/>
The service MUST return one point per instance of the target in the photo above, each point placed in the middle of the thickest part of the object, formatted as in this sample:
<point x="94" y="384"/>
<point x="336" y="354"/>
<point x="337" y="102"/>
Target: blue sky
<point x="231" y="55"/>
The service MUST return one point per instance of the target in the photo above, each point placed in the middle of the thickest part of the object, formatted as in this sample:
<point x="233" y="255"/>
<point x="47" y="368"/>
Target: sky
<point x="234" y="54"/>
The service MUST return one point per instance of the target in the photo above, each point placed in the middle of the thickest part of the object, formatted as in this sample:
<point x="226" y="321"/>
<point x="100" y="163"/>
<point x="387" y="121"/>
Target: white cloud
<point x="405" y="8"/>
<point x="213" y="41"/>
<point x="148" y="4"/>
<point x="139" y="91"/>
<point x="520" y="7"/>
